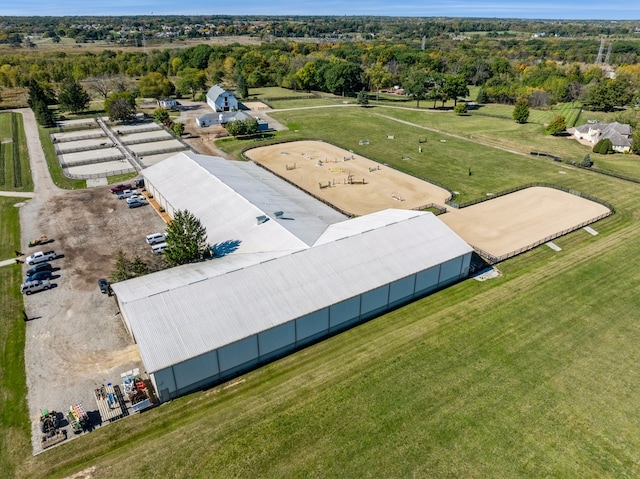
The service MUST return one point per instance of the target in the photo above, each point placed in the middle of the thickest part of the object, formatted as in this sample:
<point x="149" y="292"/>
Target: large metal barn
<point x="199" y="324"/>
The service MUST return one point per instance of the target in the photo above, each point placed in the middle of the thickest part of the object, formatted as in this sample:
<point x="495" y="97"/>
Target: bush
<point x="460" y="109"/>
<point x="604" y="147"/>
<point x="586" y="161"/>
<point x="557" y="126"/>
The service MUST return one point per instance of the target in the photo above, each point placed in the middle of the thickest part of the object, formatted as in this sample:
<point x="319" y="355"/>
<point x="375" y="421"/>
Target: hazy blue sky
<point x="548" y="9"/>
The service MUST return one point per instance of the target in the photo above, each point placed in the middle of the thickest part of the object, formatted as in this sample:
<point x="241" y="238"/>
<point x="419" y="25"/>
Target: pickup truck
<point x="126" y="194"/>
<point x="40" y="257"/>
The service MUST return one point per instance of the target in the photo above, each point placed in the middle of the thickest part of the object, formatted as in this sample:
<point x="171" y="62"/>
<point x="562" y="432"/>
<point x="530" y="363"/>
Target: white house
<point x="618" y="133"/>
<point x="168" y="103"/>
<point x="220" y="99"/>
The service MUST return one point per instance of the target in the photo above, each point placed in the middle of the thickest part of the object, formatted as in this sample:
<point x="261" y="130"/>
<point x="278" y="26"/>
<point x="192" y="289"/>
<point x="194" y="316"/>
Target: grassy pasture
<point x="14" y="421"/>
<point x="570" y="111"/>
<point x="533" y="374"/>
<point x="15" y="171"/>
<point x="445" y="160"/>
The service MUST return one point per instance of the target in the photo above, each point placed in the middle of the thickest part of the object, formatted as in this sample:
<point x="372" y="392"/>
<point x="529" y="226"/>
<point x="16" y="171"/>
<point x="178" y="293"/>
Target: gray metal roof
<point x="215" y="91"/>
<point x="195" y="313"/>
<point x="228" y="196"/>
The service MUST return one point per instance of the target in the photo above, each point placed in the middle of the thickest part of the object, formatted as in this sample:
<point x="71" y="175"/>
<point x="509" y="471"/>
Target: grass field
<point x="55" y="169"/>
<point x="14" y="420"/>
<point x="532" y="374"/>
<point x="15" y="172"/>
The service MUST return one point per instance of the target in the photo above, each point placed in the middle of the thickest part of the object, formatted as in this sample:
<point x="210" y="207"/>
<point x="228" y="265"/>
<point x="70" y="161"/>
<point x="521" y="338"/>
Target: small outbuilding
<point x="168" y="103"/>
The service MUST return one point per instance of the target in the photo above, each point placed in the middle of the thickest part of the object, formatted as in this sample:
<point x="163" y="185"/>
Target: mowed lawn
<point x="15" y="171"/>
<point x="451" y="156"/>
<point x="532" y="374"/>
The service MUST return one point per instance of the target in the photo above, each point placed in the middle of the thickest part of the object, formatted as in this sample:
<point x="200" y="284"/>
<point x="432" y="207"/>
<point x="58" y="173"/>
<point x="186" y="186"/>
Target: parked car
<point x="34" y="286"/>
<point x="41" y="257"/>
<point x="136" y="197"/>
<point x="154" y="238"/>
<point x="39" y="276"/>
<point x="121" y="187"/>
<point x="104" y="286"/>
<point x="159" y="248"/>
<point x="126" y="194"/>
<point x="136" y="203"/>
<point x="39" y="267"/>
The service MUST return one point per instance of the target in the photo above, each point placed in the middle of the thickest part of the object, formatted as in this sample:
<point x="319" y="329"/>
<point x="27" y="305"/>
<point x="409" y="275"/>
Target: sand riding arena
<point x="357" y="185"/>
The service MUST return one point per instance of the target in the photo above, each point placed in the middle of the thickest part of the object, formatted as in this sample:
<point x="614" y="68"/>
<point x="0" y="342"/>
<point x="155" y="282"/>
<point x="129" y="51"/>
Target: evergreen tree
<point x="363" y="98"/>
<point x="242" y="89"/>
<point x="521" y="111"/>
<point x="39" y="101"/>
<point x="72" y="97"/>
<point x="186" y="240"/>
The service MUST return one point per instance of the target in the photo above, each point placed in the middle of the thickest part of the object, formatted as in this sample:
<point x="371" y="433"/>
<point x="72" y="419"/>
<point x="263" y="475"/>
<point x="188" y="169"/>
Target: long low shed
<point x="191" y="335"/>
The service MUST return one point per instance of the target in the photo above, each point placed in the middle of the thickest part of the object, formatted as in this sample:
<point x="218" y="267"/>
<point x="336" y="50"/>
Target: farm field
<point x="532" y="374"/>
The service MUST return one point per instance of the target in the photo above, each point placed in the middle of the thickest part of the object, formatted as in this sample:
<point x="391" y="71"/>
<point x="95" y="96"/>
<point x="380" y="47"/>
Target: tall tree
<point x="416" y="85"/>
<point x="120" y="106"/>
<point x="455" y="86"/>
<point x="39" y="100"/>
<point x="521" y="111"/>
<point x="343" y="77"/>
<point x="155" y="85"/>
<point x="186" y="239"/>
<point x="72" y="97"/>
<point x="305" y="76"/>
<point x="378" y="77"/>
<point x="191" y="80"/>
<point x="242" y="89"/>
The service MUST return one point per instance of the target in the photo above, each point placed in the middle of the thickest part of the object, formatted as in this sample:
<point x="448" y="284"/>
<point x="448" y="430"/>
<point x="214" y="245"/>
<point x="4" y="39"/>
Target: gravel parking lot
<point x="76" y="341"/>
<point x="75" y="338"/>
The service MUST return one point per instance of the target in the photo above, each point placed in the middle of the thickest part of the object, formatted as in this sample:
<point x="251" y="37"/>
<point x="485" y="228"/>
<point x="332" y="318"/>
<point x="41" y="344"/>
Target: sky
<point x="541" y="9"/>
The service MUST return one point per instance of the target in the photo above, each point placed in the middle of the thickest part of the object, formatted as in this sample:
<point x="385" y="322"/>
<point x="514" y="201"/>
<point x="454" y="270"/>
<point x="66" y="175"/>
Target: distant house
<point x="220" y="99"/>
<point x="168" y="103"/>
<point x="618" y="133"/>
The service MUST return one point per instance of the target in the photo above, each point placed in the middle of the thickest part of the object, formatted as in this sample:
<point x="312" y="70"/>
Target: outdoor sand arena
<point x="499" y="226"/>
<point x="512" y="222"/>
<point x="384" y="187"/>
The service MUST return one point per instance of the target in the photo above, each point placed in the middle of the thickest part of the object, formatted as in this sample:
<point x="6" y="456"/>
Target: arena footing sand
<point x="518" y="221"/>
<point x="501" y="227"/>
<point x="352" y="183"/>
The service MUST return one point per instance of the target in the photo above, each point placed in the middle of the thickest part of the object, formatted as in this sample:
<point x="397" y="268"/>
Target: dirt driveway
<point x="75" y="340"/>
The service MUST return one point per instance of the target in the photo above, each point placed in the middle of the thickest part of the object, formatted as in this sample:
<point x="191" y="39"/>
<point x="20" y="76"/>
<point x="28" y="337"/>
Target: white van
<point x="159" y="248"/>
<point x="154" y="238"/>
